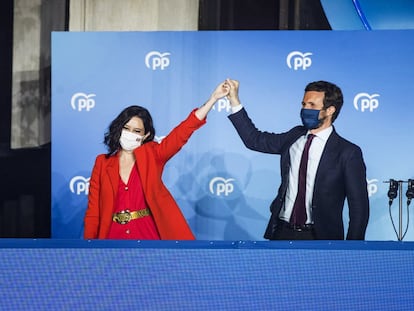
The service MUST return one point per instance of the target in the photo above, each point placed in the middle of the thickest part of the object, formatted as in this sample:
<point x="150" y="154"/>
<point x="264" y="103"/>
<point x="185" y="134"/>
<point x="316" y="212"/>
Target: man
<point x="314" y="183"/>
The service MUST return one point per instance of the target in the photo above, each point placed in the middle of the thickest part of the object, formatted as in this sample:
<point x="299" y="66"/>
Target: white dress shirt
<point x="315" y="153"/>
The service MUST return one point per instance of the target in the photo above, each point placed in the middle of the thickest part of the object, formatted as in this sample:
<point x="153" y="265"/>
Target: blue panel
<point x="134" y="275"/>
<point x="342" y="15"/>
<point x="385" y="14"/>
<point x="369" y="14"/>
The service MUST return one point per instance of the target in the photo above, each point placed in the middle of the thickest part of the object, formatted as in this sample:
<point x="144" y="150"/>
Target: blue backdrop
<point x="223" y="189"/>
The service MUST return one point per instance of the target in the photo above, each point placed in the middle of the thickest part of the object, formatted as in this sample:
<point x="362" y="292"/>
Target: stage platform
<point x="51" y="274"/>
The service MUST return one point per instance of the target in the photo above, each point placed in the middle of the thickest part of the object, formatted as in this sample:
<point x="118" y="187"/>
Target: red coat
<point x="150" y="160"/>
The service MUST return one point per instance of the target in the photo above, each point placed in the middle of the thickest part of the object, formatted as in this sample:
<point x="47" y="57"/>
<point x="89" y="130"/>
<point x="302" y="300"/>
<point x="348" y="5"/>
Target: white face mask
<point x="129" y="141"/>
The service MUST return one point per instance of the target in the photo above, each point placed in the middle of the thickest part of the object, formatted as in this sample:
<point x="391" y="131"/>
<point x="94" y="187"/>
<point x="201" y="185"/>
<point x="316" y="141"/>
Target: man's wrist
<point x="236" y="108"/>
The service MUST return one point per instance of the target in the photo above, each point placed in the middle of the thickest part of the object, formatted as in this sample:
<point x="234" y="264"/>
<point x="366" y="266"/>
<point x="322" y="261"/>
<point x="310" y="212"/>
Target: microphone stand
<point x="394" y="191"/>
<point x="400" y="234"/>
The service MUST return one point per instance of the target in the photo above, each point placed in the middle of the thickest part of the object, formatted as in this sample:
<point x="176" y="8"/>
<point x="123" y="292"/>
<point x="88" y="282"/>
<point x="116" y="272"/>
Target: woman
<point x="127" y="198"/>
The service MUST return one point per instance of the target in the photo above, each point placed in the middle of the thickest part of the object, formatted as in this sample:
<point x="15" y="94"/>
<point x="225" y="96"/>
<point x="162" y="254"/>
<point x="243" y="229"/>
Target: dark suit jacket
<point x="341" y="174"/>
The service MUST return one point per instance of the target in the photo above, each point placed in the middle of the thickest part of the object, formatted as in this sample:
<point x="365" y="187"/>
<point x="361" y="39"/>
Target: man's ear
<point x="331" y="110"/>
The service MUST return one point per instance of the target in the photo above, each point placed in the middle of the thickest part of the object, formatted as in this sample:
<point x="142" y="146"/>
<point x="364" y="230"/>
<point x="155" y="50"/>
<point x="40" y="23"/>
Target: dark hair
<point x="333" y="95"/>
<point x="113" y="133"/>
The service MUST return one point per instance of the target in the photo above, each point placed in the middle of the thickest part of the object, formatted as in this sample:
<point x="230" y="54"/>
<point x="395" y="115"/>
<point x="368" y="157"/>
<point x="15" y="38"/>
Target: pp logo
<point x="79" y="185"/>
<point x="366" y="101"/>
<point x="222" y="104"/>
<point x="372" y="186"/>
<point x="82" y="101"/>
<point x="155" y="60"/>
<point x="221" y="186"/>
<point x="299" y="59"/>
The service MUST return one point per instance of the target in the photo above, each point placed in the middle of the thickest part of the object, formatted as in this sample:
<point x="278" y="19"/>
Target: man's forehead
<point x="313" y="96"/>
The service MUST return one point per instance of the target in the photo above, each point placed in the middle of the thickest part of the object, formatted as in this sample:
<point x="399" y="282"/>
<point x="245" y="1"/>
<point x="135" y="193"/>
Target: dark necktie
<point x="298" y="216"/>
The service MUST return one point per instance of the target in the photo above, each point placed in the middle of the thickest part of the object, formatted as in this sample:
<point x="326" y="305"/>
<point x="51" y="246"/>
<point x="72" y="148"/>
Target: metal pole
<point x="283" y="14"/>
<point x="296" y="20"/>
<point x="400" y="182"/>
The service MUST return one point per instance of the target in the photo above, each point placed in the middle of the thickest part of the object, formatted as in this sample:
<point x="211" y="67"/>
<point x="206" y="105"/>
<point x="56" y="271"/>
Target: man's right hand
<point x="233" y="94"/>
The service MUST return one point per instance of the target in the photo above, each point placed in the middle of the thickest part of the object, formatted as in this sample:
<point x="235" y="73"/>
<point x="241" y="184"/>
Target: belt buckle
<point x="297" y="228"/>
<point x="122" y="217"/>
<point x="300" y="228"/>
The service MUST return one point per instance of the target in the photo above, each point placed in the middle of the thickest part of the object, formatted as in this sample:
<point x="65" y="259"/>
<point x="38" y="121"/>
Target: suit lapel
<point x="112" y="170"/>
<point x="329" y="156"/>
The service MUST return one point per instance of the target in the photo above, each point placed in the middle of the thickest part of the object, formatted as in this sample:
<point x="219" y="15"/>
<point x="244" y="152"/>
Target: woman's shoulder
<point x="104" y="158"/>
<point x="101" y="156"/>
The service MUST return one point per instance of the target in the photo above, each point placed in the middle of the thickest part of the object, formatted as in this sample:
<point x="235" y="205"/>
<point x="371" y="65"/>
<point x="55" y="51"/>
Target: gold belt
<point x="124" y="217"/>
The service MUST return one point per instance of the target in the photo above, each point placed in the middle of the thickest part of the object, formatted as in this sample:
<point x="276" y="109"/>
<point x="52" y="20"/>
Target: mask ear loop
<point x="324" y="118"/>
<point x="334" y="108"/>
<point x="145" y="137"/>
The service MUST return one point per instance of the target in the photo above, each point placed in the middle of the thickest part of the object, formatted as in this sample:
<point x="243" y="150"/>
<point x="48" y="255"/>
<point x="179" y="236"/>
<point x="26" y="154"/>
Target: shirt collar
<point x="324" y="134"/>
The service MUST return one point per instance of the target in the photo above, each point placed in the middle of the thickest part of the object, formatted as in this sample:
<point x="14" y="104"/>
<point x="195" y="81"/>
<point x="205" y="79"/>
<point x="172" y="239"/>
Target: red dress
<point x="130" y="197"/>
